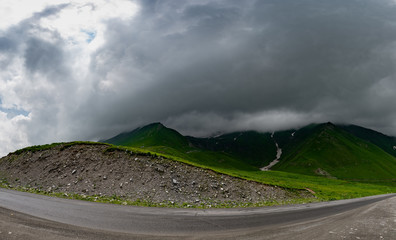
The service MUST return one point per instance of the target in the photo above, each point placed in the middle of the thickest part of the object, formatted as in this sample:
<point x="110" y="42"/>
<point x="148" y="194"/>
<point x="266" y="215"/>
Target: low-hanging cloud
<point x="202" y="67"/>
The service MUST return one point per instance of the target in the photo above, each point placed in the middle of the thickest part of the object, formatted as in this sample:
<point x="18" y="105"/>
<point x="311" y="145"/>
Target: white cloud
<point x="12" y="12"/>
<point x="87" y="69"/>
<point x="13" y="133"/>
<point x="84" y="21"/>
<point x="266" y="121"/>
<point x="45" y="66"/>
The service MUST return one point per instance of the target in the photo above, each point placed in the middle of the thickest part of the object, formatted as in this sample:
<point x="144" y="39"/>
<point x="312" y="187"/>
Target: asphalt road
<point x="53" y="218"/>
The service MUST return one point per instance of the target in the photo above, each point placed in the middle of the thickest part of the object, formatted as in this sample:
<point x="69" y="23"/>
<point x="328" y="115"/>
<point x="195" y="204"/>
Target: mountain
<point x="383" y="141"/>
<point x="329" y="150"/>
<point x="247" y="148"/>
<point x="156" y="137"/>
<point x="254" y="148"/>
<point x="154" y="134"/>
<point x="333" y="151"/>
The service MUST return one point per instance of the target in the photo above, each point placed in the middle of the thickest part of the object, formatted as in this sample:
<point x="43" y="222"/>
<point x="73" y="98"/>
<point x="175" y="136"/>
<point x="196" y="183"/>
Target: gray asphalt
<point x="161" y="221"/>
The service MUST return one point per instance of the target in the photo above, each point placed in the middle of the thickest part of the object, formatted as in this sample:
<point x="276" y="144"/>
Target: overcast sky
<point x="90" y="69"/>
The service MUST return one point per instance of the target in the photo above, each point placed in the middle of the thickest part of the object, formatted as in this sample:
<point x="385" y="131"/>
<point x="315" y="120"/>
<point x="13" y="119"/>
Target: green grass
<point x="340" y="154"/>
<point x="385" y="142"/>
<point x="361" y="167"/>
<point x="249" y="148"/>
<point x="325" y="189"/>
<point x="253" y="148"/>
<point x="114" y="199"/>
<point x="64" y="145"/>
<point x="364" y="167"/>
<point x="154" y="134"/>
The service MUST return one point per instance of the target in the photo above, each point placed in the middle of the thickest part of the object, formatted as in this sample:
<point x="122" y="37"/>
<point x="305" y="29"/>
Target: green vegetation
<point x="159" y="139"/>
<point x="253" y="148"/>
<point x="154" y="134"/>
<point x="114" y="199"/>
<point x="321" y="157"/>
<point x="49" y="146"/>
<point x="328" y="160"/>
<point x="333" y="152"/>
<point x="325" y="189"/>
<point x="244" y="150"/>
<point x="386" y="143"/>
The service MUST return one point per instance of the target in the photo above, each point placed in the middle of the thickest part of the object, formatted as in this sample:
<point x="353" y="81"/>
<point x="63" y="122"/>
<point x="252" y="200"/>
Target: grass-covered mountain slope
<point x="254" y="148"/>
<point x="387" y="143"/>
<point x="242" y="149"/>
<point x="327" y="150"/>
<point x="160" y="139"/>
<point x="154" y="134"/>
<point x="330" y="151"/>
<point x="317" y="156"/>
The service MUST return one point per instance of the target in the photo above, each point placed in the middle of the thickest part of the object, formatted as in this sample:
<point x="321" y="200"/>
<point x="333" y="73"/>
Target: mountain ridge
<point x="324" y="149"/>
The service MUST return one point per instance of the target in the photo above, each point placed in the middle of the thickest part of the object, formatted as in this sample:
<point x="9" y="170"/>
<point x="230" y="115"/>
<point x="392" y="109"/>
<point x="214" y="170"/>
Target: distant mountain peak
<point x="154" y="124"/>
<point x="330" y="124"/>
<point x="154" y="134"/>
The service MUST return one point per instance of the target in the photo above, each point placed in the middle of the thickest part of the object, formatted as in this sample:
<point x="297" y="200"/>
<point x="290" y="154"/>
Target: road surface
<point x="30" y="216"/>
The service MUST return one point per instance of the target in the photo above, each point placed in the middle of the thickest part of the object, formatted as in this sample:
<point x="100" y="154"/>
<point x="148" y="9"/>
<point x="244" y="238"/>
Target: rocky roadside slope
<point x="89" y="169"/>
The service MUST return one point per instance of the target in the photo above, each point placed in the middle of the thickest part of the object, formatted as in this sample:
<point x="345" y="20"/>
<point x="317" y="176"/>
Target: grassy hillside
<point x="324" y="188"/>
<point x="324" y="158"/>
<point x="318" y="149"/>
<point x="381" y="140"/>
<point x="290" y="140"/>
<point x="332" y="152"/>
<point x="316" y="157"/>
<point x="253" y="148"/>
<point x="154" y="134"/>
<point x="241" y="149"/>
<point x="160" y="139"/>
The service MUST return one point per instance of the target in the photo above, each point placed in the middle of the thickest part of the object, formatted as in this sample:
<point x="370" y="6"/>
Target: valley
<point x="276" y="160"/>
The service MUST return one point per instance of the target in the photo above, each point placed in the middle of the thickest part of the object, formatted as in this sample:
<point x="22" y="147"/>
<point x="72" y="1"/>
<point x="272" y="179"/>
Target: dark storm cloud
<point x="6" y="44"/>
<point x="43" y="94"/>
<point x="44" y="57"/>
<point x="220" y="60"/>
<point x="207" y="66"/>
<point x="39" y="54"/>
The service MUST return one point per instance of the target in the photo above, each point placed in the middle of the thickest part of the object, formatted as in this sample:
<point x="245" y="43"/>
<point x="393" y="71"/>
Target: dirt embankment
<point x="90" y="170"/>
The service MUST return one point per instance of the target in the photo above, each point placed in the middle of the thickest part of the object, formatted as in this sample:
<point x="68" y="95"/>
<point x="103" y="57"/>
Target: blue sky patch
<point x="90" y="35"/>
<point x="12" y="112"/>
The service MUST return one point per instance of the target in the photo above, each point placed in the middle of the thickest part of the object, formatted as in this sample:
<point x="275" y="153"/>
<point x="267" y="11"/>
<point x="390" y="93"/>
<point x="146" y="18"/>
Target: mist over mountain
<point x="90" y="69"/>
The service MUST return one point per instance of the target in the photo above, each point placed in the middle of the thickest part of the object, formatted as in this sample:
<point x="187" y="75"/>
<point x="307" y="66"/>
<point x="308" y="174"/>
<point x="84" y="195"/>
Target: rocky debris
<point x="175" y="181"/>
<point x="89" y="169"/>
<point x="322" y="172"/>
<point x="278" y="156"/>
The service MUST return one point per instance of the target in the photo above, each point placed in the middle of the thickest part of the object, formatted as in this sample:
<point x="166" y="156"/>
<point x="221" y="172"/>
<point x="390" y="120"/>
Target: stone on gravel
<point x="107" y="174"/>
